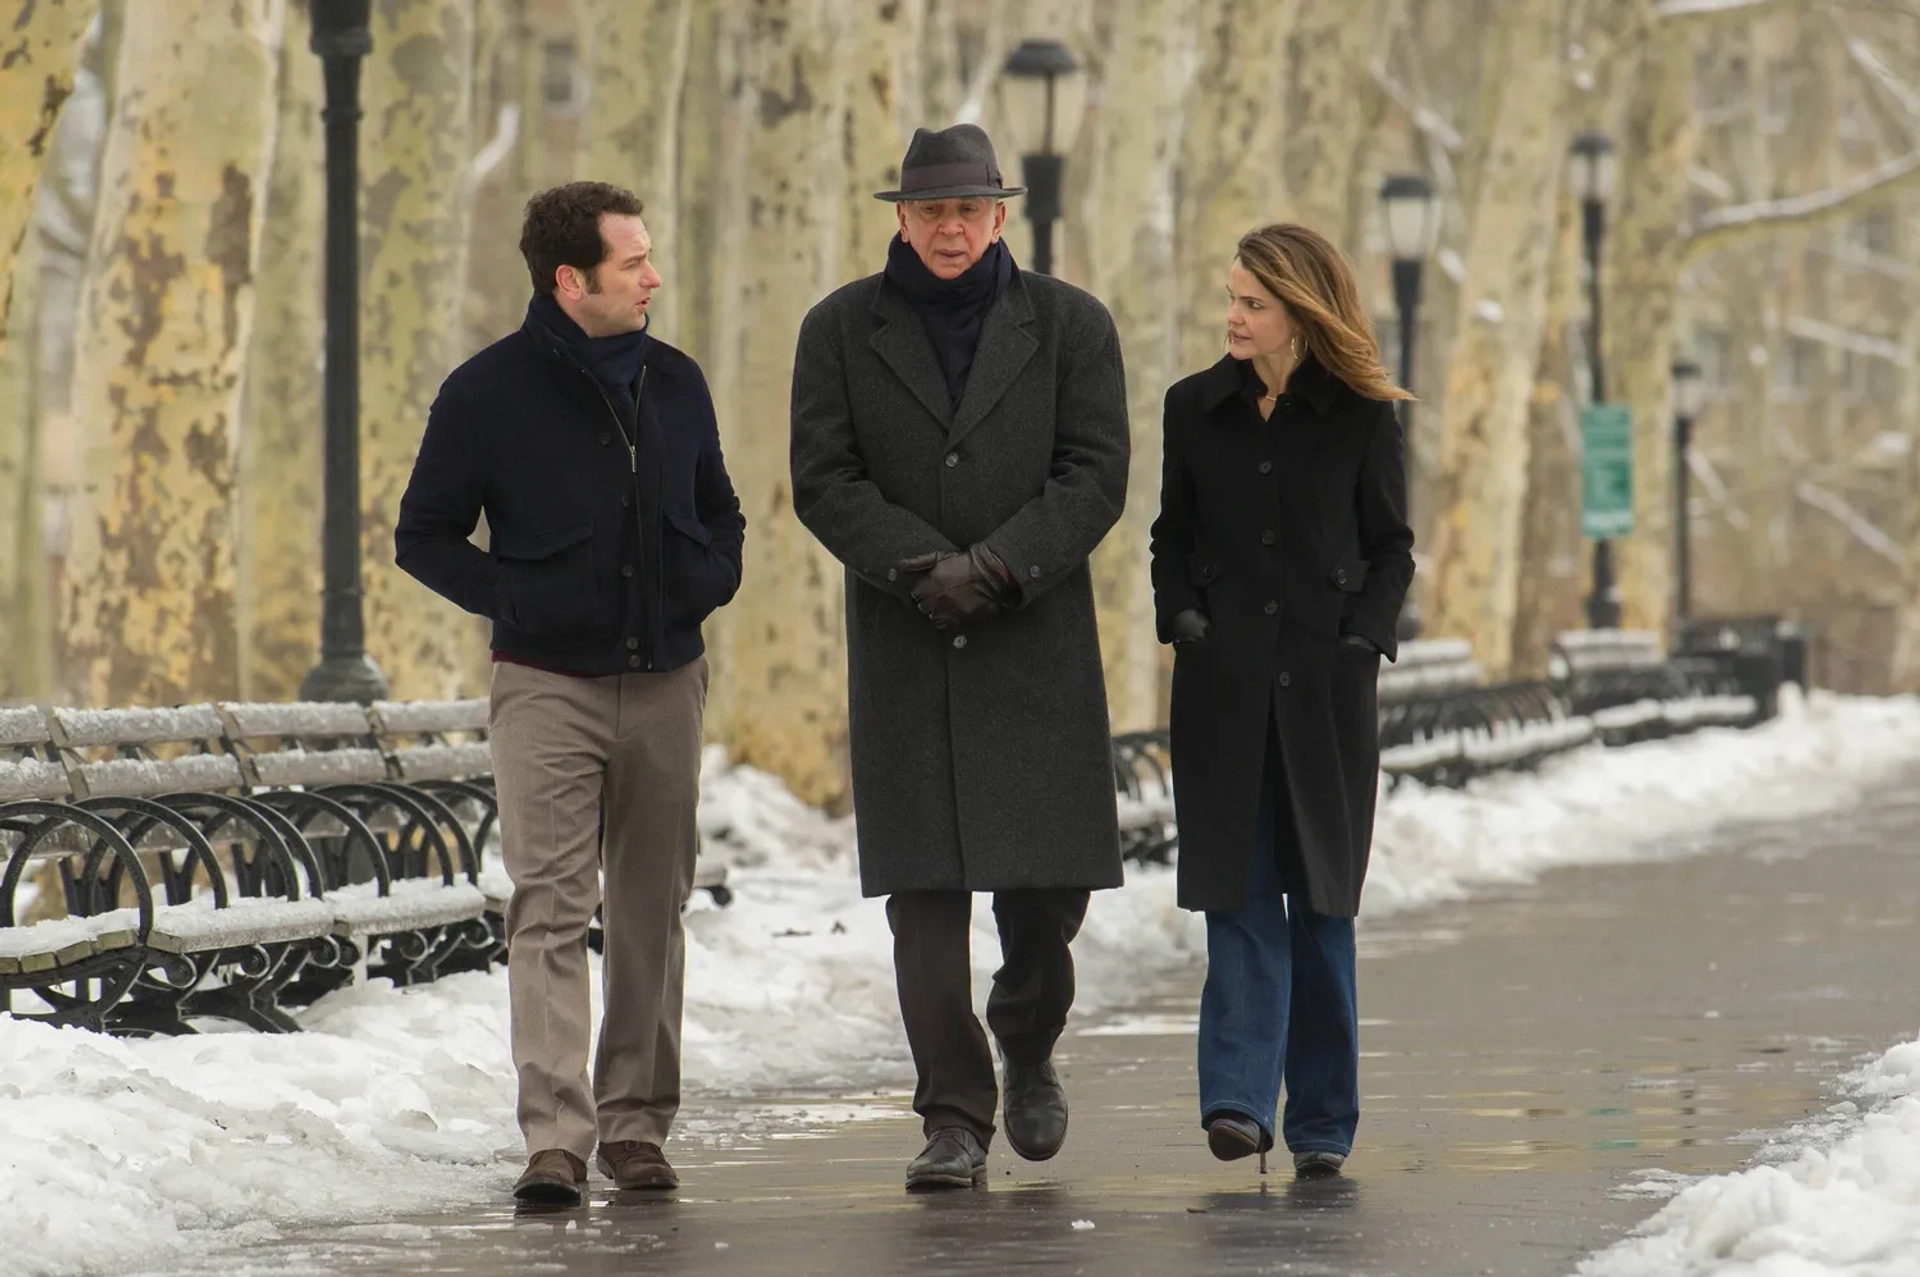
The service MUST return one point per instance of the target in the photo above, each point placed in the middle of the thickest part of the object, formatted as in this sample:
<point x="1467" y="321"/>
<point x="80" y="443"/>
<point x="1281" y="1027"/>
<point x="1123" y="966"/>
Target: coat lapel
<point x="902" y="343"/>
<point x="1005" y="348"/>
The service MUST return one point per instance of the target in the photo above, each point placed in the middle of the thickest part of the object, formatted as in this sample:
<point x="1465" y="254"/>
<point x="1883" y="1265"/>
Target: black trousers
<point x="1026" y="1009"/>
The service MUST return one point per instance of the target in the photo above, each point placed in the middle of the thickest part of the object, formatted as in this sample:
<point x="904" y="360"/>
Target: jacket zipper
<point x="633" y="468"/>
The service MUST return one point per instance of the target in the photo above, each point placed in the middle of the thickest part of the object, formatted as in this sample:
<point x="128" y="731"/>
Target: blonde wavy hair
<point x="1302" y="268"/>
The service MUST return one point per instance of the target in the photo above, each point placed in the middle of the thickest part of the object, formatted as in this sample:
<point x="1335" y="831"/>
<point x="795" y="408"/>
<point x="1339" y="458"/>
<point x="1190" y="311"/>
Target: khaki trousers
<point x="598" y="780"/>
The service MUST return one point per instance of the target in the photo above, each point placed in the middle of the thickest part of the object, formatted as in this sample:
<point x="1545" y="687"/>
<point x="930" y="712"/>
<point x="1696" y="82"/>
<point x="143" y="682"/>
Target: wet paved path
<point x="1526" y="1056"/>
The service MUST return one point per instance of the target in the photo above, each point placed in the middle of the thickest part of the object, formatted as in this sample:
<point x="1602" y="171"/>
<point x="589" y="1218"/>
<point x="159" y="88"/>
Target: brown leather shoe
<point x="636" y="1164"/>
<point x="554" y="1177"/>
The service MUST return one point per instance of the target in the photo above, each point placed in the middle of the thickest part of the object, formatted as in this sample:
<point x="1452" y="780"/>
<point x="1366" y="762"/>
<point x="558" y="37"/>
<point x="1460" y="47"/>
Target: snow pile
<point x="1848" y="1205"/>
<point x="398" y="1100"/>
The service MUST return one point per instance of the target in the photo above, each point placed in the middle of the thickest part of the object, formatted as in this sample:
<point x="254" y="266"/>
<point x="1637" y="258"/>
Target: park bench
<point x="397" y="863"/>
<point x="1748" y="656"/>
<point x="1624" y="682"/>
<point x="1143" y="786"/>
<point x="1441" y="723"/>
<point x="240" y="911"/>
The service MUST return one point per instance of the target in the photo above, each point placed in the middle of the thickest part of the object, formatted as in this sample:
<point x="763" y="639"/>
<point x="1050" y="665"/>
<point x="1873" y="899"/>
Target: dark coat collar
<point x="1310" y="381"/>
<point x="900" y="339"/>
<point x="660" y="358"/>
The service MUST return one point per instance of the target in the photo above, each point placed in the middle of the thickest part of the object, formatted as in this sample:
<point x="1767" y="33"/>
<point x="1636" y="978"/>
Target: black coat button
<point x="626" y="499"/>
<point x="626" y="569"/>
<point x="953" y="459"/>
<point x="1267" y="537"/>
<point x="1340" y="576"/>
<point x="893" y="574"/>
<point x="633" y="662"/>
<point x="1271" y="607"/>
<point x="1286" y="679"/>
<point x="633" y="644"/>
<point x="1266" y="467"/>
<point x="605" y="438"/>
<point x="959" y="640"/>
<point x="1034" y="571"/>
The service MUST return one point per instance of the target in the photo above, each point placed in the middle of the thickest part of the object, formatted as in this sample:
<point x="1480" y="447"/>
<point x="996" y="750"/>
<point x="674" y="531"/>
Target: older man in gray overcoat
<point x="960" y="444"/>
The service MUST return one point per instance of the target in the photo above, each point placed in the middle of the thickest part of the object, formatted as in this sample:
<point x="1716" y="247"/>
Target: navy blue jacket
<point x="604" y="559"/>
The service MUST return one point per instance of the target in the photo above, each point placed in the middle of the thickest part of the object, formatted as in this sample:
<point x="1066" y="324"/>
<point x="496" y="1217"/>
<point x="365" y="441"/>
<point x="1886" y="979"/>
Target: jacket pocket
<point x="696" y="578"/>
<point x="1349" y="575"/>
<point x="550" y="585"/>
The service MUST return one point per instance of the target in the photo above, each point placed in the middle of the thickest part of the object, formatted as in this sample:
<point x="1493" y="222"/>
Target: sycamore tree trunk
<point x="1643" y="277"/>
<point x="280" y="441"/>
<point x="1129" y="216"/>
<point x="1227" y="181"/>
<point x="1473" y="582"/>
<point x="636" y="66"/>
<point x="779" y="687"/>
<point x="149" y="594"/>
<point x="39" y="53"/>
<point x="415" y="146"/>
<point x="883" y="96"/>
<point x="1553" y="572"/>
<point x="1327" y="108"/>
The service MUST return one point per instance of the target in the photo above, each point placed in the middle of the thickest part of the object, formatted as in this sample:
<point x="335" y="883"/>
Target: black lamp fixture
<point x="1038" y="74"/>
<point x="1594" y="171"/>
<point x="342" y="37"/>
<point x="1412" y="217"/>
<point x="1689" y="398"/>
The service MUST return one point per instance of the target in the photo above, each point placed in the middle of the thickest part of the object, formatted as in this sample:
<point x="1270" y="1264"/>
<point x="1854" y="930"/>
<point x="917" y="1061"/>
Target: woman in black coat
<point x="1280" y="560"/>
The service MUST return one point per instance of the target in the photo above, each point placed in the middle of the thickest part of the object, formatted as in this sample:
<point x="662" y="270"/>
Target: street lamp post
<point x="1594" y="168"/>
<point x="1689" y="392"/>
<point x="1041" y="66"/>
<point x="1413" y="227"/>
<point x="341" y="38"/>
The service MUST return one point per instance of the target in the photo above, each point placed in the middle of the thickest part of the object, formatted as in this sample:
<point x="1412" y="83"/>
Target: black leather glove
<point x="1365" y="644"/>
<point x="1190" y="626"/>
<point x="958" y="590"/>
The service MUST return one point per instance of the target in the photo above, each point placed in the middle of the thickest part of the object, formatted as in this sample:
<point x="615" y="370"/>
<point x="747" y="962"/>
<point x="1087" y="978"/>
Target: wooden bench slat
<point x="444" y="762"/>
<point x="319" y="767"/>
<point x="145" y="777"/>
<point x="200" y="928"/>
<point x="403" y="718"/>
<point x="27" y="778"/>
<point x="308" y="720"/>
<point x="82" y="727"/>
<point x="23" y="725"/>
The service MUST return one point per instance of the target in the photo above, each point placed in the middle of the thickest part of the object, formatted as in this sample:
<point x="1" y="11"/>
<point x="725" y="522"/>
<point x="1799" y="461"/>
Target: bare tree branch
<point x="1862" y="528"/>
<point x="1727" y="226"/>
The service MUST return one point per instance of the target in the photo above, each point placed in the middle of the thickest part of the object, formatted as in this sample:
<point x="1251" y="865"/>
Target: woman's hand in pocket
<point x="1190" y="626"/>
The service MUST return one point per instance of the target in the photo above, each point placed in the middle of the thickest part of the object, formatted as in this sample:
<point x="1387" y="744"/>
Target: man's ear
<point x="999" y="219"/>
<point x="900" y="215"/>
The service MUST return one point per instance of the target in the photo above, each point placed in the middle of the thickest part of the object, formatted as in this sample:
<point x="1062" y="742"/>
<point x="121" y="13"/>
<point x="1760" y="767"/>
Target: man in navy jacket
<point x="591" y="447"/>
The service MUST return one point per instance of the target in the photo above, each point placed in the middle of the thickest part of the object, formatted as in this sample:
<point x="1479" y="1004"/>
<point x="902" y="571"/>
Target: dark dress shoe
<point x="1036" y="1109"/>
<point x="1231" y="1138"/>
<point x="953" y="1158"/>
<point x="554" y="1177"/>
<point x="634" y="1164"/>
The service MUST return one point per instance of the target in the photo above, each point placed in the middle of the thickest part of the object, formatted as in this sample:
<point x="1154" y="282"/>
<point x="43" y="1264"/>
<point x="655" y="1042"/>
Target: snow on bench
<point x="61" y="942"/>
<point x="32" y="779"/>
<point x="428" y="718"/>
<point x="195" y="927"/>
<point x="1699" y="711"/>
<point x="23" y="725"/>
<point x="442" y="762"/>
<point x="296" y="726"/>
<point x="414" y="904"/>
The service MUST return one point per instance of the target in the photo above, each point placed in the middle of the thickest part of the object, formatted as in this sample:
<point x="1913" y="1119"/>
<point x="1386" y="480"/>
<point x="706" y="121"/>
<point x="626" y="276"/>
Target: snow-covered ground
<point x="396" y="1100"/>
<point x="1837" y="1197"/>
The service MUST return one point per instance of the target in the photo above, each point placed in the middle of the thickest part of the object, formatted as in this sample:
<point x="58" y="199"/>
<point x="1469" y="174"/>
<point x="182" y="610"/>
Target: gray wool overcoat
<point x="982" y="760"/>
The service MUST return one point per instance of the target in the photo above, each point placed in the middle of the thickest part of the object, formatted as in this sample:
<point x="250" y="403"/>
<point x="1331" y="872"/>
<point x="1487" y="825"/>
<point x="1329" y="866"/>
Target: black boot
<point x="953" y="1158"/>
<point x="1036" y="1109"/>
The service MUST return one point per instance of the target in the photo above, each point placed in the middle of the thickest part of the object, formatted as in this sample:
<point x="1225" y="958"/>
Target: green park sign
<point x="1606" y="470"/>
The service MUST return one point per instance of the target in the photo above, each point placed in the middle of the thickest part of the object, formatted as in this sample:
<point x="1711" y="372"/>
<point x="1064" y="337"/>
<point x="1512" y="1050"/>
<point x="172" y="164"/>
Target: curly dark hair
<point x="562" y="228"/>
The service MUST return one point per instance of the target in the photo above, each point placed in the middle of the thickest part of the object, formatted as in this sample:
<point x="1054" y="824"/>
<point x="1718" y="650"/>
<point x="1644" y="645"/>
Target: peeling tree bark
<point x="167" y="313"/>
<point x="1643" y="272"/>
<point x="882" y="101"/>
<point x="1227" y="182"/>
<point x="1129" y="216"/>
<point x="780" y="682"/>
<point x="39" y="52"/>
<point x="636" y="57"/>
<point x="415" y="143"/>
<point x="1326" y="112"/>
<point x="1473" y="583"/>
<point x="280" y="439"/>
<point x="1553" y="575"/>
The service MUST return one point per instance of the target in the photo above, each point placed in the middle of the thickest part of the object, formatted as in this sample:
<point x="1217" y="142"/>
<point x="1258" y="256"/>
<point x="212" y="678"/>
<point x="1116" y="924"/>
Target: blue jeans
<point x="1280" y="1000"/>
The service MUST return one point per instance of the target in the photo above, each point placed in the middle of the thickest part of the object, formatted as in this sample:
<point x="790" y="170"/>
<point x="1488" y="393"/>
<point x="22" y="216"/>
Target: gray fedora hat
<point x="949" y="164"/>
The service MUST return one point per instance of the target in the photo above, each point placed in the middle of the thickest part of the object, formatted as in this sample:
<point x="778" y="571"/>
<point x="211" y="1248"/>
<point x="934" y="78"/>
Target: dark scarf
<point x="614" y="361"/>
<point x="954" y="310"/>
